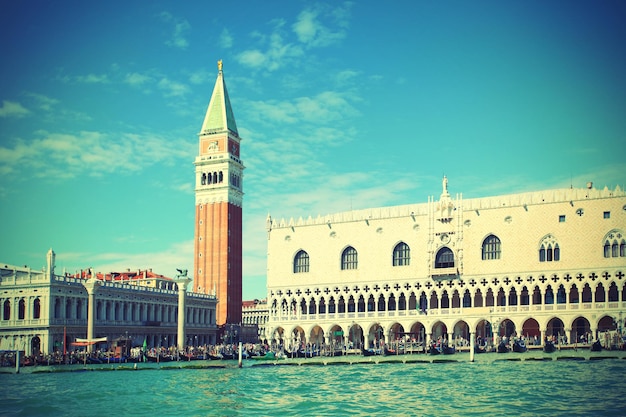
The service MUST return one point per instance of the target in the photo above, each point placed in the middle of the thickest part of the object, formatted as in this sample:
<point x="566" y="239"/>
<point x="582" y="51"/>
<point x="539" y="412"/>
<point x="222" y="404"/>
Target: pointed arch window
<point x="614" y="244"/>
<point x="401" y="254"/>
<point x="491" y="247"/>
<point x="349" y="258"/>
<point x="301" y="262"/>
<point x="444" y="258"/>
<point x="549" y="250"/>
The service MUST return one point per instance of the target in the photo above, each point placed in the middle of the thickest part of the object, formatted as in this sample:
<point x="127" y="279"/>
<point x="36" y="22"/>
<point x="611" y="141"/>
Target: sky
<point x="341" y="106"/>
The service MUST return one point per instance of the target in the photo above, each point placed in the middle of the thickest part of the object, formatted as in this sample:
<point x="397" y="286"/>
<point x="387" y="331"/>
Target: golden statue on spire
<point x="219" y="65"/>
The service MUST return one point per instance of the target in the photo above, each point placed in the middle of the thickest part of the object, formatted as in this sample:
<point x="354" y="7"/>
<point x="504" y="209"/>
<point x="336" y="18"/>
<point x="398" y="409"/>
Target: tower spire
<point x="219" y="115"/>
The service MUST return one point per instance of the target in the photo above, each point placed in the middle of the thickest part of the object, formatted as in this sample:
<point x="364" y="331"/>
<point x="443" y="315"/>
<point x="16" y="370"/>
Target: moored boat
<point x="519" y="346"/>
<point x="480" y="349"/>
<point x="549" y="347"/>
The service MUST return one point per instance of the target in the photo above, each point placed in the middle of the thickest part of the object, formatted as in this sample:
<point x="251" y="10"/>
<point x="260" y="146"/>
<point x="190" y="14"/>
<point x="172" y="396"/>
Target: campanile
<point x="219" y="197"/>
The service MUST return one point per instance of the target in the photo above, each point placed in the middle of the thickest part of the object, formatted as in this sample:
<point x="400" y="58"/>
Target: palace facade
<point x="536" y="264"/>
<point x="43" y="312"/>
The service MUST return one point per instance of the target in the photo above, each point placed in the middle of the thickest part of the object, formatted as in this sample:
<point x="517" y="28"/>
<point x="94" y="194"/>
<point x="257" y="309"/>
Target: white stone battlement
<point x="422" y="209"/>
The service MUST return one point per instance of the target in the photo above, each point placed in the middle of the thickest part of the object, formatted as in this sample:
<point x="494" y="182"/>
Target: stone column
<point x="568" y="334"/>
<point x="182" y="282"/>
<point x="91" y="285"/>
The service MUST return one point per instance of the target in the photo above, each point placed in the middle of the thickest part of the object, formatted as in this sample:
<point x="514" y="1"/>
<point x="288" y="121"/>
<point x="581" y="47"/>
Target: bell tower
<point x="219" y="198"/>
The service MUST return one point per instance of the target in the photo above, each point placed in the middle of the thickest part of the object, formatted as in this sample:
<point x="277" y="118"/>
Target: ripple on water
<point x="557" y="388"/>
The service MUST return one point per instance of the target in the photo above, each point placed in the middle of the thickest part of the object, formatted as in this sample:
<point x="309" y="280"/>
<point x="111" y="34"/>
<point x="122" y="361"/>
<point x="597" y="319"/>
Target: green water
<point x="498" y="387"/>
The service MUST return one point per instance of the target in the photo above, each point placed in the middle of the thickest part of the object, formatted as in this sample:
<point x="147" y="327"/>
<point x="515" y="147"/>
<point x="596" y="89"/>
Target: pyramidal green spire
<point x="219" y="115"/>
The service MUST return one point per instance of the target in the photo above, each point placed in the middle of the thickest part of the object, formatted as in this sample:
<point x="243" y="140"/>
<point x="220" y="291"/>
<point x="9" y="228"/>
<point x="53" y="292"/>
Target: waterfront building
<point x="254" y="318"/>
<point x="43" y="312"/>
<point x="219" y="198"/>
<point x="535" y="264"/>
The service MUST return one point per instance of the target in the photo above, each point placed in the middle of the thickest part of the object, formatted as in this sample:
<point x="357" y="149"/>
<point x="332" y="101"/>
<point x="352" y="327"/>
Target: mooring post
<point x="472" y="346"/>
<point x="240" y="354"/>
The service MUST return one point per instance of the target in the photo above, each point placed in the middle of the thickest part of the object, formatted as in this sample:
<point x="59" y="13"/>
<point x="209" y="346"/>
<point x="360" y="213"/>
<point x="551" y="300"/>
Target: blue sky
<point x="340" y="105"/>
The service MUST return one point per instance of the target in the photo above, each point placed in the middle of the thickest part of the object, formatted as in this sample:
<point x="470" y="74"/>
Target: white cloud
<point x="226" y="39"/>
<point x="181" y="28"/>
<point x="273" y="52"/>
<point x="172" y="88"/>
<point x="252" y="58"/>
<point x="93" y="79"/>
<point x="137" y="79"/>
<point x="306" y="26"/>
<point x="43" y="102"/>
<point x="311" y="31"/>
<point x="61" y="155"/>
<point x="320" y="109"/>
<point x="12" y="109"/>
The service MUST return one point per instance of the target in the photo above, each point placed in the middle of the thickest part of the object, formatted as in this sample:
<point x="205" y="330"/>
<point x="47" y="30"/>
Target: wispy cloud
<point x="13" y="109"/>
<point x="226" y="39"/>
<point x="314" y="27"/>
<point x="323" y="108"/>
<point x="62" y="155"/>
<point x="136" y="79"/>
<point x="43" y="102"/>
<point x="313" y="32"/>
<point x="172" y="88"/>
<point x="180" y="30"/>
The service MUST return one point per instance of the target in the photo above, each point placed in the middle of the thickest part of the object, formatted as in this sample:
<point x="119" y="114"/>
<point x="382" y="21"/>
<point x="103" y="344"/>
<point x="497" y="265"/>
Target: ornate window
<point x="401" y="254"/>
<point x="614" y="245"/>
<point x="301" y="262"/>
<point x="491" y="247"/>
<point x="549" y="250"/>
<point x="6" y="310"/>
<point x="444" y="258"/>
<point x="349" y="258"/>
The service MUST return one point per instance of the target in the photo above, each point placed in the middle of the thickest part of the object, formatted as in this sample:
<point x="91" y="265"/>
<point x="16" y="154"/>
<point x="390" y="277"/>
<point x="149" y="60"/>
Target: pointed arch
<point x="401" y="255"/>
<point x="549" y="250"/>
<point x="614" y="244"/>
<point x="491" y="247"/>
<point x="444" y="258"/>
<point x="301" y="262"/>
<point x="349" y="258"/>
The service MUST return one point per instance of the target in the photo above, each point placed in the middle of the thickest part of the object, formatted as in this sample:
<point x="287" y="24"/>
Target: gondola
<point x="519" y="346"/>
<point x="368" y="352"/>
<point x="480" y="349"/>
<point x="549" y="347"/>
<point x="389" y="352"/>
<point x="596" y="346"/>
<point x="502" y="348"/>
<point x="432" y="349"/>
<point x="160" y="358"/>
<point x="448" y="350"/>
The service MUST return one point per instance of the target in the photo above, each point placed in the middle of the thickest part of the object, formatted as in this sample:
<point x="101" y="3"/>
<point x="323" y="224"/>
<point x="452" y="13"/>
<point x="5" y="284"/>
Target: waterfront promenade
<point x="565" y="354"/>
